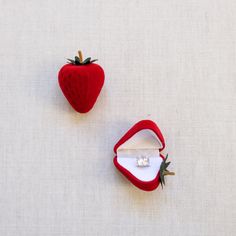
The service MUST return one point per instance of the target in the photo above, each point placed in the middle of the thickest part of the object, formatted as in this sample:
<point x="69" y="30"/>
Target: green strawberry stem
<point x="78" y="61"/>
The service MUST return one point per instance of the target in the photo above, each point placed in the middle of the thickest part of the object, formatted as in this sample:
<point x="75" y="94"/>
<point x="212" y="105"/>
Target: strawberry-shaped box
<point x="138" y="156"/>
<point x="81" y="82"/>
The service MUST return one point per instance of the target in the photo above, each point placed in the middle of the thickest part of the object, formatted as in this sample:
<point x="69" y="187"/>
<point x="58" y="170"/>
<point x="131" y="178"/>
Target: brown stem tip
<point x="168" y="173"/>
<point x="80" y="56"/>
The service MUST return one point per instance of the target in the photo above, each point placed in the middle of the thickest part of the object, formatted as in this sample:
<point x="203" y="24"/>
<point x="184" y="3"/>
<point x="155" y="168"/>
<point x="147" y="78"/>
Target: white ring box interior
<point x="143" y="143"/>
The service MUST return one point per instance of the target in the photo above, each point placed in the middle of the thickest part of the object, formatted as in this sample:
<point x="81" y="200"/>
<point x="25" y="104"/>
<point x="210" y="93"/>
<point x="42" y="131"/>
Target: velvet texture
<point x="143" y="124"/>
<point x="81" y="85"/>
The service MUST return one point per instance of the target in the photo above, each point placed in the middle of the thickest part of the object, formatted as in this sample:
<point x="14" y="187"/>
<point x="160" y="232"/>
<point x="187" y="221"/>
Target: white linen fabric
<point x="170" y="61"/>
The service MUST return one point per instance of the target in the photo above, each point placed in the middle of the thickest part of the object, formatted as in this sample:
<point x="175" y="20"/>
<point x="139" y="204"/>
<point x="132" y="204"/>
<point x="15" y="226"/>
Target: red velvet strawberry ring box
<point x="138" y="156"/>
<point x="81" y="82"/>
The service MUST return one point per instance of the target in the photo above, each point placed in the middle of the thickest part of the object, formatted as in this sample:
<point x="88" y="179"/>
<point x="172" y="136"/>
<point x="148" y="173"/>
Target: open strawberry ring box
<point x="138" y="155"/>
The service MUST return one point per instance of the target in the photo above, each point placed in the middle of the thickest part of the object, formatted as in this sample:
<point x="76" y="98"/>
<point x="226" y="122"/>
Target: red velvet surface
<point x="81" y="85"/>
<point x="143" y="124"/>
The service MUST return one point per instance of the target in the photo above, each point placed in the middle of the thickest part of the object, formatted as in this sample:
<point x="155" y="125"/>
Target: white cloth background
<point x="170" y="61"/>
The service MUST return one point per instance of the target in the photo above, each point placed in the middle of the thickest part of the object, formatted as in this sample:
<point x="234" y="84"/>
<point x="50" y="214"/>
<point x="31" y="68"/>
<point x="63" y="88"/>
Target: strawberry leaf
<point x="164" y="171"/>
<point x="78" y="60"/>
<point x="87" y="61"/>
<point x="93" y="60"/>
<point x="71" y="61"/>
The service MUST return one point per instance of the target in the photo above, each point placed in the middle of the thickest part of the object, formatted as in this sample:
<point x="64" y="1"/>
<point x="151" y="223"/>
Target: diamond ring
<point x="142" y="161"/>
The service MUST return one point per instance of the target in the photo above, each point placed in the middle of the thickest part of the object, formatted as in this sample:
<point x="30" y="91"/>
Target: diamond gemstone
<point x="142" y="161"/>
